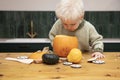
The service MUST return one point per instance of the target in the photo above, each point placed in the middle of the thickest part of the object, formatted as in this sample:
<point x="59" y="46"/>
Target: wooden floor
<point x="11" y="70"/>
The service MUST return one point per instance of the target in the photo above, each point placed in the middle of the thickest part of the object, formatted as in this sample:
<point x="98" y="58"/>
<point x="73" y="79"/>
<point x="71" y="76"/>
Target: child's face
<point x="71" y="25"/>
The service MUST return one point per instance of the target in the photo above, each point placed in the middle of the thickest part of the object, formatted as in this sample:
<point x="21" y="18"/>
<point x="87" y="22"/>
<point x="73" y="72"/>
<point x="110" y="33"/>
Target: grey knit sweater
<point x="88" y="37"/>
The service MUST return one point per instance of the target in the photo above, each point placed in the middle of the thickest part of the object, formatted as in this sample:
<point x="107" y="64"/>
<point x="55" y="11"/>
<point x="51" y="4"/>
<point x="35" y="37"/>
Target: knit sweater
<point x="89" y="39"/>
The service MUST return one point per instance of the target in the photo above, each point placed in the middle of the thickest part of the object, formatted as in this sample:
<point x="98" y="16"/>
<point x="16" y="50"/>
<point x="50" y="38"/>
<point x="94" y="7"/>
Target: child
<point x="71" y="22"/>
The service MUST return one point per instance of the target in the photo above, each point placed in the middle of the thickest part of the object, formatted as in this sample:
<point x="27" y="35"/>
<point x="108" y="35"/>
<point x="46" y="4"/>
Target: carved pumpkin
<point x="37" y="55"/>
<point x="75" y="56"/>
<point x="62" y="44"/>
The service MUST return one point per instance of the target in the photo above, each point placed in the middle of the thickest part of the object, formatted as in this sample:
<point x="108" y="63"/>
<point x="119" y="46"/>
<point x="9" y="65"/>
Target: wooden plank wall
<point x="16" y="24"/>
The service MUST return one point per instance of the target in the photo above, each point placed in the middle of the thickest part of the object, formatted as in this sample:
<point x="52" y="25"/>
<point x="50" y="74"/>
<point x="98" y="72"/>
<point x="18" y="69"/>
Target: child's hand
<point x="98" y="55"/>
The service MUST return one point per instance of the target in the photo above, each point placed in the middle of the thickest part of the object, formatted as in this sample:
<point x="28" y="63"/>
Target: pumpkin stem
<point x="45" y="49"/>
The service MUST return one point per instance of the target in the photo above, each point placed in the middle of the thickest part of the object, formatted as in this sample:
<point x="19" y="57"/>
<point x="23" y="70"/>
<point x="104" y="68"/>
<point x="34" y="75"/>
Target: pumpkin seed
<point x="63" y="59"/>
<point x="22" y="57"/>
<point x="75" y="66"/>
<point x="92" y="59"/>
<point x="98" y="62"/>
<point x="67" y="63"/>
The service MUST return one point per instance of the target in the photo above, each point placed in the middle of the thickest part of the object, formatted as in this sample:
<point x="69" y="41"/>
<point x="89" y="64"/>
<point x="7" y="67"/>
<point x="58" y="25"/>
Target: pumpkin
<point x="75" y="56"/>
<point x="50" y="59"/>
<point x="62" y="44"/>
<point x="36" y="55"/>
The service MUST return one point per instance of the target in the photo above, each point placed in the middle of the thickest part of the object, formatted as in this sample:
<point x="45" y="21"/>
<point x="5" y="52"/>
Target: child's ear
<point x="82" y="16"/>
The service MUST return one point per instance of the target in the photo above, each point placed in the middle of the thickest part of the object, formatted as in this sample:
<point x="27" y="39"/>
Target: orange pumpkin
<point x="62" y="44"/>
<point x="37" y="55"/>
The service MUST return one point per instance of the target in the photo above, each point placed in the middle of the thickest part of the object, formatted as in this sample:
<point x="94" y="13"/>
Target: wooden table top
<point x="11" y="70"/>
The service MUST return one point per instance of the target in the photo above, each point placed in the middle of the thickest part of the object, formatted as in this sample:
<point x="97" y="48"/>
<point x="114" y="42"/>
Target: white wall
<point x="102" y="5"/>
<point x="49" y="5"/>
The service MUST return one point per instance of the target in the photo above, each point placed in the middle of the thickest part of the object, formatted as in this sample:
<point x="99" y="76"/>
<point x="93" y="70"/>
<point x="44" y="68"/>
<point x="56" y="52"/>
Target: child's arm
<point x="96" y="43"/>
<point x="54" y="30"/>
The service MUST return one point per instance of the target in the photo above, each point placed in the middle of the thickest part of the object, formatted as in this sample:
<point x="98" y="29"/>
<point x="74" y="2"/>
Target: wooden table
<point x="11" y="70"/>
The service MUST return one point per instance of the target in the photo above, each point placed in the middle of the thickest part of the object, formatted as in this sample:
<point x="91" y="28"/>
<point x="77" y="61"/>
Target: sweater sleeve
<point x="53" y="31"/>
<point x="96" y="40"/>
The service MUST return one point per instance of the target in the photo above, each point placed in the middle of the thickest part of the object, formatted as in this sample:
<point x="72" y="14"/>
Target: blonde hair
<point x="70" y="9"/>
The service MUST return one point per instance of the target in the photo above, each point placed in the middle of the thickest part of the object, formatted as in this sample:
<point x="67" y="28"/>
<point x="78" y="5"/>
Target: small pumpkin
<point x="75" y="56"/>
<point x="62" y="44"/>
<point x="38" y="54"/>
<point x="50" y="59"/>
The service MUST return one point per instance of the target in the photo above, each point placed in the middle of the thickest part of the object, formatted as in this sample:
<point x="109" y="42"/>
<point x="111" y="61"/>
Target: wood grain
<point x="16" y="24"/>
<point x="11" y="70"/>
